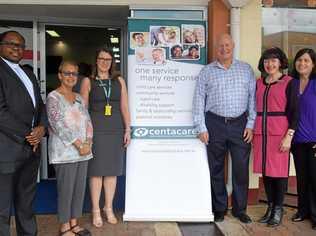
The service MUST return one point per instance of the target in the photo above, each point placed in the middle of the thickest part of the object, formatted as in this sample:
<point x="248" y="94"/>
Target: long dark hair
<point x="300" y="53"/>
<point x="113" y="73"/>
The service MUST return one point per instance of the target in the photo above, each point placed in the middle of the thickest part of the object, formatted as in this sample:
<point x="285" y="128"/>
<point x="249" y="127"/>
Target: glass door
<point x="78" y="43"/>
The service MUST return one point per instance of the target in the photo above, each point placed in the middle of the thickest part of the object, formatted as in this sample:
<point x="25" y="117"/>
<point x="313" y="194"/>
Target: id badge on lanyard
<point x="107" y="92"/>
<point x="108" y="110"/>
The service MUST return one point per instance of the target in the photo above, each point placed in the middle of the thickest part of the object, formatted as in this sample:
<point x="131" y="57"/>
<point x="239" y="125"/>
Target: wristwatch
<point x="290" y="133"/>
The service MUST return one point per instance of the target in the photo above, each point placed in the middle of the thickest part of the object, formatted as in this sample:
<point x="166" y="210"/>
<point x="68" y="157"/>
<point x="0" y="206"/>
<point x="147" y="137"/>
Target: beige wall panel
<point x="250" y="51"/>
<point x="250" y="33"/>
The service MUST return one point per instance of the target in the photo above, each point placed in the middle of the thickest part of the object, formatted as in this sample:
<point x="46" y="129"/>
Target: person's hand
<point x="204" y="137"/>
<point x="127" y="138"/>
<point x="84" y="149"/>
<point x="248" y="135"/>
<point x="35" y="147"/>
<point x="34" y="138"/>
<point x="285" y="144"/>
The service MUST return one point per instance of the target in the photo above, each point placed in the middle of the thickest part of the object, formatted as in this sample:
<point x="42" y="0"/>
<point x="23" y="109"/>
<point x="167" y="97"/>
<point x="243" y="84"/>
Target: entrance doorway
<point x="77" y="43"/>
<point x="82" y="29"/>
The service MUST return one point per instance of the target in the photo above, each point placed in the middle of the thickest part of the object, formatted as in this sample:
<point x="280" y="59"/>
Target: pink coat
<point x="270" y="127"/>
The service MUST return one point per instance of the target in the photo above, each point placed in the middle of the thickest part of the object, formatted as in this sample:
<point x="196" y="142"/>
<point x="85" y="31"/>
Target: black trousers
<point x="18" y="189"/>
<point x="224" y="136"/>
<point x="275" y="189"/>
<point x="305" y="165"/>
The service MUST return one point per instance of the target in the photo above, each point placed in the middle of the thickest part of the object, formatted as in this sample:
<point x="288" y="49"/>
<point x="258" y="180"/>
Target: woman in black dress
<point x="105" y="94"/>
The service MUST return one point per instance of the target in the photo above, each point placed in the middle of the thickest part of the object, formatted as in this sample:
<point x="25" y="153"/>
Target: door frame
<point x="41" y="26"/>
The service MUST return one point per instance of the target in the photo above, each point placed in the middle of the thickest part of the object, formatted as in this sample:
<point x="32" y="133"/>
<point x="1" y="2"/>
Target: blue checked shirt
<point x="225" y="92"/>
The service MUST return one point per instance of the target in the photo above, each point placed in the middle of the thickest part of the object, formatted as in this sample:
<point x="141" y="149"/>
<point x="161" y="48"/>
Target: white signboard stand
<point x="167" y="175"/>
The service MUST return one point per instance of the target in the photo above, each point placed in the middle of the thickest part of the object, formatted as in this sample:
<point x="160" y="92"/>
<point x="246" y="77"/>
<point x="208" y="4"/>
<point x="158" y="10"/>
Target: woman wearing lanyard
<point x="105" y="94"/>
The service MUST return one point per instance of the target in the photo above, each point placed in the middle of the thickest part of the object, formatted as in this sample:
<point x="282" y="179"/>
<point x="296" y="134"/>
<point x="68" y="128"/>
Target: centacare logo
<point x="140" y="132"/>
<point x="150" y="132"/>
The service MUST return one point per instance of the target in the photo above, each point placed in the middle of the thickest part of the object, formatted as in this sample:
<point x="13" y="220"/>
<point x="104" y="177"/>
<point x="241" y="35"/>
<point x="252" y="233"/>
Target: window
<point x="291" y="29"/>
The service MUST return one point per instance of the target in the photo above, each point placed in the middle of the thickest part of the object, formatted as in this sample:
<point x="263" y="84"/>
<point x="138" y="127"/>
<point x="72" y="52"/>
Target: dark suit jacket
<point x="16" y="115"/>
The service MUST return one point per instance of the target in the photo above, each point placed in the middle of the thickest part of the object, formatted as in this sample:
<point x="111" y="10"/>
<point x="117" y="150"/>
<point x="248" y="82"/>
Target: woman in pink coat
<point x="274" y="128"/>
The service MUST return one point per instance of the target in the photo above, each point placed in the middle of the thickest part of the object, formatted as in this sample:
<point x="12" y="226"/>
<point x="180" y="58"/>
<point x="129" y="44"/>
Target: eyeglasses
<point x="13" y="45"/>
<point x="68" y="73"/>
<point x="105" y="59"/>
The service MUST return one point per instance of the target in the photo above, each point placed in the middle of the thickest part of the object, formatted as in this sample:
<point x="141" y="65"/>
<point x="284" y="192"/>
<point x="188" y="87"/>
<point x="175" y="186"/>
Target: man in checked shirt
<point x="224" y="115"/>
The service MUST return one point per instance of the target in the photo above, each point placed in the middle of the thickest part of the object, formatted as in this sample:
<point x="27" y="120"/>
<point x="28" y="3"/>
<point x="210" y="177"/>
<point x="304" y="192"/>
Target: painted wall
<point x="218" y="23"/>
<point x="250" y="41"/>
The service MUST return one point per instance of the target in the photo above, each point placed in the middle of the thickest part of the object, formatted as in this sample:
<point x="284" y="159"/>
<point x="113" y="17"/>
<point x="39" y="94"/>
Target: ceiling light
<point x="52" y="33"/>
<point x="116" y="55"/>
<point x="114" y="40"/>
<point x="117" y="61"/>
<point x="116" y="49"/>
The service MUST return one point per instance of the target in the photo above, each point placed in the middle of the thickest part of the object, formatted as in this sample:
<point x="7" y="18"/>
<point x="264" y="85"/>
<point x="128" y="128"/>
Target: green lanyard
<point x="107" y="88"/>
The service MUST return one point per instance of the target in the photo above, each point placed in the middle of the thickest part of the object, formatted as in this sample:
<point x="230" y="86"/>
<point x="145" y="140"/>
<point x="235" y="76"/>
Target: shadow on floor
<point x="199" y="229"/>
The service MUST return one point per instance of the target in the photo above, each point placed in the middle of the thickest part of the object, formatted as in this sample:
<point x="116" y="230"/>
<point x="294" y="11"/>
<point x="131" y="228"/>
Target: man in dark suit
<point x="22" y="125"/>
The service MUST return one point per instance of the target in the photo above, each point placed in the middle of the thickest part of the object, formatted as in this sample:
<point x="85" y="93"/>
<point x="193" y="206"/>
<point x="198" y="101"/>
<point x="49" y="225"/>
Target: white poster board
<point x="167" y="174"/>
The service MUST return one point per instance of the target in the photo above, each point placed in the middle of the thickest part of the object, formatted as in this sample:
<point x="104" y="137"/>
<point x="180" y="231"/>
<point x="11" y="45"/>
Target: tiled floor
<point x="48" y="226"/>
<point x="233" y="227"/>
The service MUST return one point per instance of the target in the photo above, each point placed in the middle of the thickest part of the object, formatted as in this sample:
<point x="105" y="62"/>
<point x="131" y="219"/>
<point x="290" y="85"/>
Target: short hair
<point x="300" y="53"/>
<point x="4" y="34"/>
<point x="137" y="33"/>
<point x="176" y="46"/>
<point x="195" y="47"/>
<point x="270" y="53"/>
<point x="67" y="63"/>
<point x="157" y="49"/>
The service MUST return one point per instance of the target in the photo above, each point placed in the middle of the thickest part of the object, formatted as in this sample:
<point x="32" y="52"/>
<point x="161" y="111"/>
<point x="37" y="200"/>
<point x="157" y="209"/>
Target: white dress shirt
<point x="24" y="78"/>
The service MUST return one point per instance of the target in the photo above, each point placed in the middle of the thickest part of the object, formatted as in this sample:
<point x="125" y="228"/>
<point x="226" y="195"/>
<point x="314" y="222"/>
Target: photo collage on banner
<point x="165" y="42"/>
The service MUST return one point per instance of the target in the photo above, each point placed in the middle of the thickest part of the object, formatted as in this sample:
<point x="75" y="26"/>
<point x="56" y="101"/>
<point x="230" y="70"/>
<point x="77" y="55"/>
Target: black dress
<point x="108" y="131"/>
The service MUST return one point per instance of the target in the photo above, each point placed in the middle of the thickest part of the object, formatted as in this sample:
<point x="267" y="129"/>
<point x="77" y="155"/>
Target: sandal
<point x="81" y="231"/>
<point x="110" y="216"/>
<point x="61" y="233"/>
<point x="96" y="218"/>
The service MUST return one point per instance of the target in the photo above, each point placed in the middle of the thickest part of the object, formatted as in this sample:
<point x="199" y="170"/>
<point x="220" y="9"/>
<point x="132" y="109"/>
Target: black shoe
<point x="297" y="217"/>
<point x="267" y="215"/>
<point x="219" y="216"/>
<point x="276" y="217"/>
<point x="243" y="217"/>
<point x="314" y="225"/>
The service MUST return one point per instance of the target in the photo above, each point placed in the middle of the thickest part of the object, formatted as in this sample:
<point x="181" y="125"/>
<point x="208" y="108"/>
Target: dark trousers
<point x="224" y="136"/>
<point x="275" y="189"/>
<point x="18" y="188"/>
<point x="305" y="165"/>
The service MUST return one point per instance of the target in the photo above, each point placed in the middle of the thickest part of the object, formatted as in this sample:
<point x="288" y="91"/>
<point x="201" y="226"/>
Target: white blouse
<point x="67" y="123"/>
